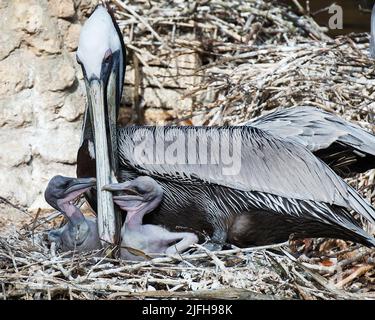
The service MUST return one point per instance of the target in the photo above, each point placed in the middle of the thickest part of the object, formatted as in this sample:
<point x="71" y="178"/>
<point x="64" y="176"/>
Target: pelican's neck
<point x="74" y="215"/>
<point x="134" y="219"/>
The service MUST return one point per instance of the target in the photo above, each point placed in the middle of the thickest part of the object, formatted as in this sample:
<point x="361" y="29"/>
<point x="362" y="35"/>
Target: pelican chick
<point x="79" y="233"/>
<point x="143" y="195"/>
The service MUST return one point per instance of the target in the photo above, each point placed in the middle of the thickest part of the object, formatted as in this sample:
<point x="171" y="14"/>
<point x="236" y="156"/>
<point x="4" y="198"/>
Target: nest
<point x="32" y="269"/>
<point x="226" y="62"/>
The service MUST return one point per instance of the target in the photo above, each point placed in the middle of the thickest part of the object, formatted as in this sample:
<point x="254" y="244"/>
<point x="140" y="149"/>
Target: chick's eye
<point x="139" y="190"/>
<point x="66" y="185"/>
<point x="146" y="188"/>
<point x="108" y="56"/>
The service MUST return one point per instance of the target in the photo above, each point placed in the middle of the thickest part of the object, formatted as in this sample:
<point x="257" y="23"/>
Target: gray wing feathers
<point x="268" y="164"/>
<point x="360" y="205"/>
<point x="286" y="169"/>
<point x="315" y="129"/>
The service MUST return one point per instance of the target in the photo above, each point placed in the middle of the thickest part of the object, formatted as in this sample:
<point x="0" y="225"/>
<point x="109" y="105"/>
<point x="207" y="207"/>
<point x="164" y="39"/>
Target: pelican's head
<point x="101" y="54"/>
<point x="62" y="191"/>
<point x="101" y="51"/>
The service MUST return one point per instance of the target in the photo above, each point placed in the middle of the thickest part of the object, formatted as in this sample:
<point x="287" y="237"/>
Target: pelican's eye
<point x="108" y="56"/>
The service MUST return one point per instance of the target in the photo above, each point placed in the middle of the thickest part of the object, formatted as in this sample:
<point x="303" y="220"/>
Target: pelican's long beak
<point x="101" y="53"/>
<point x="124" y="186"/>
<point x="79" y="184"/>
<point x="103" y="118"/>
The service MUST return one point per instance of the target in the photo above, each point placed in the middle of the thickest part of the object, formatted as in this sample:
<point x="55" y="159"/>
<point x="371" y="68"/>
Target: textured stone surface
<point x="41" y="100"/>
<point x="16" y="152"/>
<point x="55" y="73"/>
<point x="9" y="38"/>
<point x="62" y="8"/>
<point x="16" y="73"/>
<point x="58" y="145"/>
<point x="72" y="36"/>
<point x="16" y="110"/>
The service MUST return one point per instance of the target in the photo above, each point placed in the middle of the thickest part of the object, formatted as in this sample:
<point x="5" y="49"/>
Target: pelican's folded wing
<point x="260" y="162"/>
<point x="344" y="146"/>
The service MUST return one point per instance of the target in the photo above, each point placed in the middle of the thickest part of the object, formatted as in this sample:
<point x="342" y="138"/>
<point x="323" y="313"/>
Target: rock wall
<point x="41" y="97"/>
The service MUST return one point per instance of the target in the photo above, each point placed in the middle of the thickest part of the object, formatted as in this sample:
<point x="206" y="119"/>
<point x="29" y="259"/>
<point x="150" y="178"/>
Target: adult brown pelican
<point x="79" y="233"/>
<point x="278" y="181"/>
<point x="143" y="195"/>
